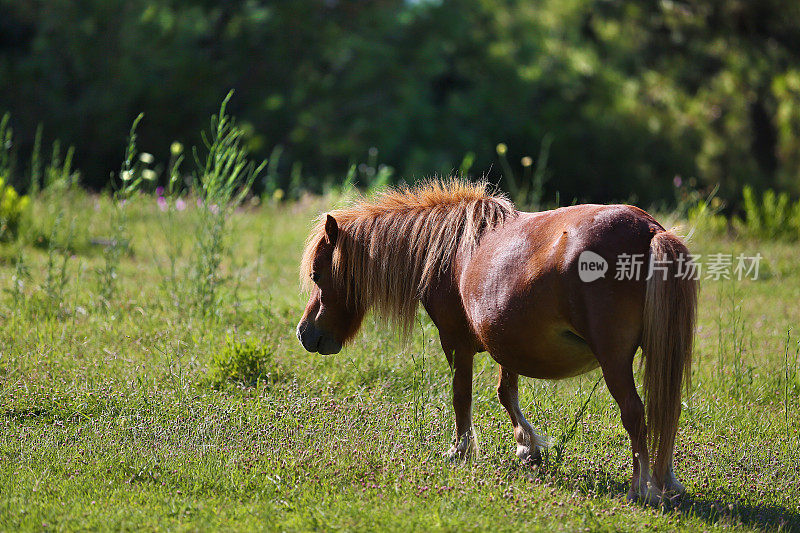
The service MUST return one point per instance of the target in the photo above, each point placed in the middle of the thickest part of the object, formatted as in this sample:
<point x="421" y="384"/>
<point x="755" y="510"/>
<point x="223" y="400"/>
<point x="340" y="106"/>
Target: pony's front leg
<point x="465" y="446"/>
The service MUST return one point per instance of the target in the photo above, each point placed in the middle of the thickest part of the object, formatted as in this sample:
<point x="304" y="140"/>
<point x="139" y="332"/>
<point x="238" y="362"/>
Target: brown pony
<point x="529" y="288"/>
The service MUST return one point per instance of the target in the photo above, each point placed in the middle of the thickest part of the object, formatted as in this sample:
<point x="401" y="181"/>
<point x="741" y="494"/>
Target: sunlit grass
<point x="117" y="419"/>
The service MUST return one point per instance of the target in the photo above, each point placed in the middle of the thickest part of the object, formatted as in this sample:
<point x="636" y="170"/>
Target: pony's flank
<point x="392" y="247"/>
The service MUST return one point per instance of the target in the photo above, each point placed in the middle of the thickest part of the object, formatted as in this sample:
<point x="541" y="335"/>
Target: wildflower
<point x="180" y="204"/>
<point x="278" y="195"/>
<point x="176" y="148"/>
<point x="162" y="203"/>
<point x="146" y="158"/>
<point x="126" y="175"/>
<point x="527" y="161"/>
<point x="149" y="175"/>
<point x="159" y="191"/>
<point x="502" y="149"/>
<point x="677" y="181"/>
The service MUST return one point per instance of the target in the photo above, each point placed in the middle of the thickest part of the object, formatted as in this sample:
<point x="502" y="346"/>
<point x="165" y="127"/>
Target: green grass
<point x="144" y="414"/>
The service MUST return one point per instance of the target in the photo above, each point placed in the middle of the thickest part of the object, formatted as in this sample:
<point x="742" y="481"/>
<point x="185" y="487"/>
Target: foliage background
<point x="633" y="93"/>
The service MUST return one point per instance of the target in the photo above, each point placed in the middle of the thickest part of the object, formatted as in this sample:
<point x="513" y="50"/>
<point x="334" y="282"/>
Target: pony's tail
<point x="667" y="342"/>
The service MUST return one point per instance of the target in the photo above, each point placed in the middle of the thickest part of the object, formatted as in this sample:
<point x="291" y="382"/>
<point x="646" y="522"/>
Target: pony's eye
<point x="314" y="277"/>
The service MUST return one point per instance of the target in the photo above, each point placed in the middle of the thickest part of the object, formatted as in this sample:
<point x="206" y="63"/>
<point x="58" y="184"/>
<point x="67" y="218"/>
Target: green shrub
<point x="773" y="216"/>
<point x="12" y="207"/>
<point x="246" y="362"/>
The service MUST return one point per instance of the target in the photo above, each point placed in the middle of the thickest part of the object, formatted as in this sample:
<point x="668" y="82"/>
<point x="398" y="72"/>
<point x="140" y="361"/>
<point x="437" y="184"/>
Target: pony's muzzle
<point x="314" y="340"/>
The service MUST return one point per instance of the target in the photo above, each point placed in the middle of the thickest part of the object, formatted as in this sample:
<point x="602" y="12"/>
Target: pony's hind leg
<point x="529" y="443"/>
<point x="618" y="374"/>
<point x="671" y="483"/>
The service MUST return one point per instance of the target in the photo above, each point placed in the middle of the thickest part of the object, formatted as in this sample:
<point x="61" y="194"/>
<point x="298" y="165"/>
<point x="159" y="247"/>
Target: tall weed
<point x="223" y="178"/>
<point x="130" y="178"/>
<point x="173" y="204"/>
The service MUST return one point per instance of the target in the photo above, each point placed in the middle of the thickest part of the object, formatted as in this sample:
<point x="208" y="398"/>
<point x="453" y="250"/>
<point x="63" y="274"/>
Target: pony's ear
<point x="331" y="230"/>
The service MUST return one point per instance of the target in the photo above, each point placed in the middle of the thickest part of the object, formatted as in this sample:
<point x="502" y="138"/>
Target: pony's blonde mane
<point x="391" y="247"/>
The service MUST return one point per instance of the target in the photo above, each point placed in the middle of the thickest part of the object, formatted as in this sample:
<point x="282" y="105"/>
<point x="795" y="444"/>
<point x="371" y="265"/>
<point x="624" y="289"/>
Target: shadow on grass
<point x="62" y="413"/>
<point x="731" y="511"/>
<point x="728" y="510"/>
<point x="25" y="414"/>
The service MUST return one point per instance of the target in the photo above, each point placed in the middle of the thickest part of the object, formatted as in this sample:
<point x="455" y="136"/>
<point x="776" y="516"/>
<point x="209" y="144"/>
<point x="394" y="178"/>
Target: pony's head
<point x="329" y="320"/>
<point x="385" y="253"/>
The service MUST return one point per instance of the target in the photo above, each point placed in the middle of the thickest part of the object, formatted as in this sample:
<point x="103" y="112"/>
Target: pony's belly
<point x="557" y="355"/>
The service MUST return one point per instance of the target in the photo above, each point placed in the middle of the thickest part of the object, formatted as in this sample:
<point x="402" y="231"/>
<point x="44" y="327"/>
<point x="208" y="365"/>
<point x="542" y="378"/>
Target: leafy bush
<point x="246" y="362"/>
<point x="632" y="92"/>
<point x="12" y="207"/>
<point x="12" y="204"/>
<point x="771" y="216"/>
<point x="774" y="216"/>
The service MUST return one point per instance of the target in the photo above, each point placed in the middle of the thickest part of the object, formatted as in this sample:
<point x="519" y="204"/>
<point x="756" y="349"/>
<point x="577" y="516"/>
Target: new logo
<point x="591" y="266"/>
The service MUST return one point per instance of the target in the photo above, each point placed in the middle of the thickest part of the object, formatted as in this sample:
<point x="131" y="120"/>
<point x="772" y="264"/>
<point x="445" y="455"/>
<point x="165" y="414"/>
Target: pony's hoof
<point x="650" y="496"/>
<point x="463" y="451"/>
<point x="674" y="490"/>
<point x="529" y="455"/>
<point x="456" y="456"/>
<point x="453" y="455"/>
<point x="673" y="487"/>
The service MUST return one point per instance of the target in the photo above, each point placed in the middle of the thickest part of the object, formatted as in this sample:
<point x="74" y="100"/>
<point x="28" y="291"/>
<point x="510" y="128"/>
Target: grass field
<point x="126" y="404"/>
